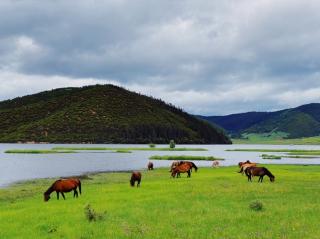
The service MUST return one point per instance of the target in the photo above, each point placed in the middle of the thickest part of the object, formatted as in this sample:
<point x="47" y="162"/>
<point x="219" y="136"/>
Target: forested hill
<point x="100" y="114"/>
<point x="302" y="121"/>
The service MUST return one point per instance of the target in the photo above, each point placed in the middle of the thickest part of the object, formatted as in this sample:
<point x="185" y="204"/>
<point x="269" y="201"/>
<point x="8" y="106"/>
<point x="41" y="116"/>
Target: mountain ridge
<point x="100" y="114"/>
<point x="301" y="121"/>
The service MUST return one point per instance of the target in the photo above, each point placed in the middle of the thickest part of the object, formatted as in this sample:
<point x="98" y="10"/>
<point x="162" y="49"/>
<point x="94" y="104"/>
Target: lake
<point x="18" y="167"/>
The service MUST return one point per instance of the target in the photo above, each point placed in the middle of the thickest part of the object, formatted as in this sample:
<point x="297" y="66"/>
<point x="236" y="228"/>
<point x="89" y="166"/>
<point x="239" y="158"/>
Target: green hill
<point x="100" y="114"/>
<point x="302" y="121"/>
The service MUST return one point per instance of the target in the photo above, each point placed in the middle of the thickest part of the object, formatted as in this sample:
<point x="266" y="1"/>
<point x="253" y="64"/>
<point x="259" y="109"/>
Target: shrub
<point x="152" y="145"/>
<point x="172" y="144"/>
<point x="91" y="215"/>
<point x="256" y="205"/>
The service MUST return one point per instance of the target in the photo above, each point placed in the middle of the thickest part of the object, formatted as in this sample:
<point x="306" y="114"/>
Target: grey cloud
<point x="175" y="50"/>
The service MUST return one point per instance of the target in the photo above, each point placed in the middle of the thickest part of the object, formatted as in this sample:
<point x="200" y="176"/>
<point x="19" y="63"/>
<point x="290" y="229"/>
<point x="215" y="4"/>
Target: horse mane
<point x="50" y="189"/>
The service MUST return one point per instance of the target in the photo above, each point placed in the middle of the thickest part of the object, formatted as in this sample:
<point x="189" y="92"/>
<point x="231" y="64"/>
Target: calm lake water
<point x="17" y="167"/>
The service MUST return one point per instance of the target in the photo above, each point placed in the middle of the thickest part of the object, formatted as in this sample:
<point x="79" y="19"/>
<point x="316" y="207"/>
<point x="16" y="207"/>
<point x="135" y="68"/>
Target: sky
<point x="209" y="57"/>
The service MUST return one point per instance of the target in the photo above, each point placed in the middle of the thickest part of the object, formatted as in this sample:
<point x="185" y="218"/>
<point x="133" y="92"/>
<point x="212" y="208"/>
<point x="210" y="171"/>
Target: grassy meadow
<point x="276" y="140"/>
<point x="213" y="203"/>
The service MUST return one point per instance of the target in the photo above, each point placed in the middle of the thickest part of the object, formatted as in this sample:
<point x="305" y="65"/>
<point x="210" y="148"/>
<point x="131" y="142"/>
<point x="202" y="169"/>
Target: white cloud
<point x="16" y="84"/>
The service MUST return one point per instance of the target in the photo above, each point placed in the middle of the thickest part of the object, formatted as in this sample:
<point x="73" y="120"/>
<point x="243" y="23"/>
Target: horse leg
<point x="138" y="184"/>
<point x="63" y="196"/>
<point x="261" y="178"/>
<point x="57" y="195"/>
<point x="189" y="174"/>
<point x="75" y="193"/>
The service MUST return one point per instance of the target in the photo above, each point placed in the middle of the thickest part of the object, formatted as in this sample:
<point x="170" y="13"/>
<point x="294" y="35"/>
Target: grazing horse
<point x="175" y="164"/>
<point x="150" y="166"/>
<point x="182" y="168"/>
<point x="135" y="176"/>
<point x="215" y="164"/>
<point x="62" y="186"/>
<point x="246" y="165"/>
<point x="258" y="171"/>
<point x="191" y="164"/>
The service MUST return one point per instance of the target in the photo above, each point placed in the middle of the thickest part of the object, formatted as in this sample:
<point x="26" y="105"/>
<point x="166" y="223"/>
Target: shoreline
<point x="86" y="175"/>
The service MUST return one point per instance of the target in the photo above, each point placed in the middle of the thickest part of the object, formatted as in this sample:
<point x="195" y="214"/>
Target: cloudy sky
<point x="209" y="57"/>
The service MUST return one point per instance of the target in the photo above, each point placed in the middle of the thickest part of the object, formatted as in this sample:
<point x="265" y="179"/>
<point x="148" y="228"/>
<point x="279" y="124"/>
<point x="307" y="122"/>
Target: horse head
<point x="46" y="197"/>
<point x="272" y="178"/>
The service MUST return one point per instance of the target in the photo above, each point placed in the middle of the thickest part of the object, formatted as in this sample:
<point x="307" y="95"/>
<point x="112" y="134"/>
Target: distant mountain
<point x="100" y="114"/>
<point x="302" y="121"/>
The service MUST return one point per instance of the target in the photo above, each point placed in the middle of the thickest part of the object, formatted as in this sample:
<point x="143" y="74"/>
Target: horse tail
<point x="79" y="186"/>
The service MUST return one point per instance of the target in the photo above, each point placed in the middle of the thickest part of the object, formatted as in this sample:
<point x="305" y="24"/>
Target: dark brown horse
<point x="135" y="176"/>
<point x="258" y="171"/>
<point x="150" y="166"/>
<point x="62" y="186"/>
<point x="182" y="168"/>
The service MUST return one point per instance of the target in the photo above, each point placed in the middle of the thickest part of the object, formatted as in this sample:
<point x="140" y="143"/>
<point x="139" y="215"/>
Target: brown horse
<point x="246" y="165"/>
<point x="135" y="176"/>
<point x="177" y="163"/>
<point x="259" y="171"/>
<point x="182" y="168"/>
<point x="174" y="164"/>
<point x="191" y="164"/>
<point x="150" y="166"/>
<point x="62" y="186"/>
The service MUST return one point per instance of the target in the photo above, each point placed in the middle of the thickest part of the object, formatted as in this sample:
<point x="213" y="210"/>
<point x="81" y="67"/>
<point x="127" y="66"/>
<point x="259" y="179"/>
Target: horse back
<point x="66" y="185"/>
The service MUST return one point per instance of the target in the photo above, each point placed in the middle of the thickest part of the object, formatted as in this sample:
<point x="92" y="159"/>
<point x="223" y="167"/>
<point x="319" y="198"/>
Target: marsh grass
<point x="213" y="203"/>
<point x="184" y="157"/>
<point x="270" y="156"/>
<point x="38" y="151"/>
<point x="129" y="149"/>
<point x="123" y="151"/>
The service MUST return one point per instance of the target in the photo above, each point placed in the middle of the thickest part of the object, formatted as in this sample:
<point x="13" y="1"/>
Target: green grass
<point x="213" y="203"/>
<point x="184" y="157"/>
<point x="129" y="149"/>
<point x="261" y="139"/>
<point x="270" y="156"/>
<point x="37" y="151"/>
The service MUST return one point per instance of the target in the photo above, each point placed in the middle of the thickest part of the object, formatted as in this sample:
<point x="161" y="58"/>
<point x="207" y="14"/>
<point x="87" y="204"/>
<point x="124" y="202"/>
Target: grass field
<point x="262" y="139"/>
<point x="129" y="149"/>
<point x="184" y="157"/>
<point x="213" y="203"/>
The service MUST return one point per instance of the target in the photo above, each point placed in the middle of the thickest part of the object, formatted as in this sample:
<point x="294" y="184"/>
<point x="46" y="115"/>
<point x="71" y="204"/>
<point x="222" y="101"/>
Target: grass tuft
<point x="256" y="205"/>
